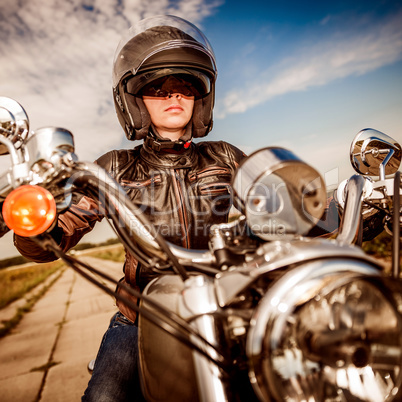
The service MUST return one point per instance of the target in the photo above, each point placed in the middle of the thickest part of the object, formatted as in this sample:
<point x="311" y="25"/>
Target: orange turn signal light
<point x="29" y="210"/>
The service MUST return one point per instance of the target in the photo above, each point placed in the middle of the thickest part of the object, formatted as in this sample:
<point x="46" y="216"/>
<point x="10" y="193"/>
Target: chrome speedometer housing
<point x="280" y="195"/>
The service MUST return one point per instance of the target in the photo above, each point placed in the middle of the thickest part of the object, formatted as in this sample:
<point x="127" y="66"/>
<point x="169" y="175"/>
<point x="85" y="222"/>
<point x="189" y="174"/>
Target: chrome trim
<point x="188" y="256"/>
<point x="350" y="222"/>
<point x="197" y="302"/>
<point x="278" y="255"/>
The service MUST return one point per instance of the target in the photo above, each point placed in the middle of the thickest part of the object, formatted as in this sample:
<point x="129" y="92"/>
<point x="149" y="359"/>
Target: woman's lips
<point x="174" y="108"/>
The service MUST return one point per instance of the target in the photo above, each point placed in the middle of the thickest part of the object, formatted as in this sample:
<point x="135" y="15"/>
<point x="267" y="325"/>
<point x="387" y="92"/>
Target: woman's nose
<point x="176" y="95"/>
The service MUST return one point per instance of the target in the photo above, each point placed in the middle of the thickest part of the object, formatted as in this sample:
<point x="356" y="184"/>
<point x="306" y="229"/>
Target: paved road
<point x="64" y="327"/>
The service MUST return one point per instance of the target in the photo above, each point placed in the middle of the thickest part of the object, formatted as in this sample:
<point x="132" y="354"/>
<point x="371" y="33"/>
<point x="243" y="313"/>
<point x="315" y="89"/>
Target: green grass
<point x="381" y="248"/>
<point x="21" y="311"/>
<point x="15" y="283"/>
<point x="114" y="254"/>
<point x="11" y="262"/>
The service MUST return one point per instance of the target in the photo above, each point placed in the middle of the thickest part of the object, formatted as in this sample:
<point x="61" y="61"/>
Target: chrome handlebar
<point x="132" y="221"/>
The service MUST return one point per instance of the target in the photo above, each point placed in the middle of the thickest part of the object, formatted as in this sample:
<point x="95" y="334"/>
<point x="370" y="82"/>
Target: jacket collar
<point x="158" y="144"/>
<point x="169" y="158"/>
<point x="164" y="153"/>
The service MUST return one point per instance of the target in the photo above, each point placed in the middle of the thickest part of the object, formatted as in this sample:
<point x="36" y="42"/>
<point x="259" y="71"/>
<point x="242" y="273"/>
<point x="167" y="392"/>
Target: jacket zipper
<point x="141" y="183"/>
<point x="215" y="188"/>
<point x="209" y="171"/>
<point x="182" y="208"/>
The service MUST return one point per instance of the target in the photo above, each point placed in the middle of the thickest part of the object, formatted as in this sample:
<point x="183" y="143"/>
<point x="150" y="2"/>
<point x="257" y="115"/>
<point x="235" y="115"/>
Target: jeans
<point x="115" y="377"/>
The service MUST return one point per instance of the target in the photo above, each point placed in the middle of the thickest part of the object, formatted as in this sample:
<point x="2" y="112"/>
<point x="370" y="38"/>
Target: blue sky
<point x="308" y="75"/>
<point x="303" y="75"/>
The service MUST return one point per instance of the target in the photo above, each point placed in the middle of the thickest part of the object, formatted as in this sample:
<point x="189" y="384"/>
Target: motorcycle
<point x="266" y="313"/>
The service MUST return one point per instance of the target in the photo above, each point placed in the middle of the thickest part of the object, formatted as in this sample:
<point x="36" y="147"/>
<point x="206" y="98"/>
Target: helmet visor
<point x="165" y="82"/>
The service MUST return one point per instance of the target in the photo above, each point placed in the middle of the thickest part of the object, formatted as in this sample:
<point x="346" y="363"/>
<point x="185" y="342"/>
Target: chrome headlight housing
<point x="327" y="331"/>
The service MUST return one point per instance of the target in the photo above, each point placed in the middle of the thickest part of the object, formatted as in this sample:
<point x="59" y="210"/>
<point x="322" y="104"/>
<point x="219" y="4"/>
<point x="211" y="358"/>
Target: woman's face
<point x="170" y="115"/>
<point x="170" y="107"/>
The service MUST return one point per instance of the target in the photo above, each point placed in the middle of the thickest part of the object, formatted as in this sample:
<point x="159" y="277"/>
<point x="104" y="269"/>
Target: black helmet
<point x="154" y="48"/>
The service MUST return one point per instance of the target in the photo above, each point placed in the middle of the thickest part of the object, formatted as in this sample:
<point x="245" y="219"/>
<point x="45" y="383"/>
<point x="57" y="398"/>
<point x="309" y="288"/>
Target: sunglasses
<point x="166" y="86"/>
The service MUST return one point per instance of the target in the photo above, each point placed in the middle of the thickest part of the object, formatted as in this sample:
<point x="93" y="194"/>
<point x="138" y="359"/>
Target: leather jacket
<point x="182" y="193"/>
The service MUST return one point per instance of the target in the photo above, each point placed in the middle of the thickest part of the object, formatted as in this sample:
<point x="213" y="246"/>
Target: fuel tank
<point x="166" y="364"/>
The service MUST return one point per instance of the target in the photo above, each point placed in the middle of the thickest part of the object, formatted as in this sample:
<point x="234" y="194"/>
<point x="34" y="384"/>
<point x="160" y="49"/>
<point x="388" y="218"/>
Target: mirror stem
<point x="396" y="229"/>
<point x="11" y="149"/>
<point x="390" y="153"/>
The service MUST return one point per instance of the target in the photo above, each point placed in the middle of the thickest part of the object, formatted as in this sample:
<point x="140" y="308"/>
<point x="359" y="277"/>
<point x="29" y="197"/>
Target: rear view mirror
<point x="374" y="153"/>
<point x="14" y="123"/>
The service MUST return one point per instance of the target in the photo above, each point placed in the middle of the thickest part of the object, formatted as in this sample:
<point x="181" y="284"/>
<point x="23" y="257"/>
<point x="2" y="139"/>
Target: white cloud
<point x="57" y="60"/>
<point x="342" y="55"/>
<point x="196" y="10"/>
